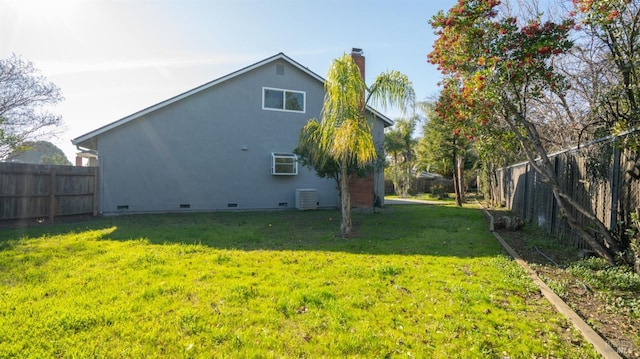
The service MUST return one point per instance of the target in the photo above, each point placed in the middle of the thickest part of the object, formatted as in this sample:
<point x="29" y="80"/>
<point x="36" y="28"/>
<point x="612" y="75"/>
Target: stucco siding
<point x="212" y="149"/>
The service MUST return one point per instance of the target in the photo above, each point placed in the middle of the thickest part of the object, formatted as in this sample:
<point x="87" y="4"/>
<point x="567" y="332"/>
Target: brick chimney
<point x="361" y="188"/>
<point x="358" y="58"/>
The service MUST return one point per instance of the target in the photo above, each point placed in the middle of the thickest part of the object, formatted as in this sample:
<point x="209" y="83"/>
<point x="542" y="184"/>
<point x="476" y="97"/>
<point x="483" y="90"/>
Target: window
<point x="284" y="164"/>
<point x="283" y="100"/>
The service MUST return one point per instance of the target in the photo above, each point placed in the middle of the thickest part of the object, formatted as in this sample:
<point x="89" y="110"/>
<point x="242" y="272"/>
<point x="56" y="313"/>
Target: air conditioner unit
<point x="306" y="199"/>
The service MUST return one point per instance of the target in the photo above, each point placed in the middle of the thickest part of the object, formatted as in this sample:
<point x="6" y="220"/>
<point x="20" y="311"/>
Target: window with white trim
<point x="284" y="164"/>
<point x="283" y="100"/>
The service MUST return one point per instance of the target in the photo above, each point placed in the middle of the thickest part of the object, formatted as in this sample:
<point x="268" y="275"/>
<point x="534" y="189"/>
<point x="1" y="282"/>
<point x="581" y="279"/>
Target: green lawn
<point x="416" y="281"/>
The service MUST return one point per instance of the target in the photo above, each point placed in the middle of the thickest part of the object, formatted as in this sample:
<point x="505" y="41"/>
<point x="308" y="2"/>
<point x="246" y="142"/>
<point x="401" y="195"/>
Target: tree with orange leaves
<point x="497" y="67"/>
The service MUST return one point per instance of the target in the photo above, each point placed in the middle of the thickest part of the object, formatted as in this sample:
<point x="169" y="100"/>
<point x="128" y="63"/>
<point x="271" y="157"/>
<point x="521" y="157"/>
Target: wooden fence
<point x="597" y="176"/>
<point x="43" y="191"/>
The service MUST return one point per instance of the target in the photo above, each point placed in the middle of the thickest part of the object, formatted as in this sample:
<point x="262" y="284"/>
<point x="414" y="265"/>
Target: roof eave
<point x="386" y="120"/>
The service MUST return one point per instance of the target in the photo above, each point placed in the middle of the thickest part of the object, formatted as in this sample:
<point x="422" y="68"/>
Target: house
<point x="225" y="145"/>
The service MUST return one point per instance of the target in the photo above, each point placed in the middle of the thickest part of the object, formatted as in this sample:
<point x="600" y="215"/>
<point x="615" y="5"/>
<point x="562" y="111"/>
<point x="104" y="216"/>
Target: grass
<point x="415" y="281"/>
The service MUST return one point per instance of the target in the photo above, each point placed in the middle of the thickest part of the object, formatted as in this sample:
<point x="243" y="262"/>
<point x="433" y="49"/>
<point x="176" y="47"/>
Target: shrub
<point x="438" y="191"/>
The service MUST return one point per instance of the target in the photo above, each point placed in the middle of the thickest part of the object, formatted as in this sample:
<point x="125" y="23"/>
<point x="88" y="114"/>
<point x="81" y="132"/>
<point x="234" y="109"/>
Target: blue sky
<point x="112" y="58"/>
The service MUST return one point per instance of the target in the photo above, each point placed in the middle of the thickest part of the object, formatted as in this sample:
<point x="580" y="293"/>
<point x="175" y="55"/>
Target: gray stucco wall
<point x="213" y="149"/>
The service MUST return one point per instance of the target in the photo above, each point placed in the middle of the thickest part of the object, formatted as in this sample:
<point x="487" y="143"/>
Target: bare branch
<point x="25" y="96"/>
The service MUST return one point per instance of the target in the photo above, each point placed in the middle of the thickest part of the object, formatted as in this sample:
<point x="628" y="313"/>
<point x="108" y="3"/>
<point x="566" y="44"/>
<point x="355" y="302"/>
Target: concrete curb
<point x="588" y="333"/>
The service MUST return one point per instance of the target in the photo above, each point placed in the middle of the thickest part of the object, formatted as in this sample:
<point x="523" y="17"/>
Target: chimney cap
<point x="356" y="51"/>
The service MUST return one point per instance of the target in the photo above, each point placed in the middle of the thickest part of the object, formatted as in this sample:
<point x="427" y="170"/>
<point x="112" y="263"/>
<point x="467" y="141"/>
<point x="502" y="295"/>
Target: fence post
<point x="615" y="187"/>
<point x="554" y="205"/>
<point x="52" y="194"/>
<point x="525" y="192"/>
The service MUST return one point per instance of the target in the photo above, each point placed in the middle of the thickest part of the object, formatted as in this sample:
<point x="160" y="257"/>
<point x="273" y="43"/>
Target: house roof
<point x="84" y="139"/>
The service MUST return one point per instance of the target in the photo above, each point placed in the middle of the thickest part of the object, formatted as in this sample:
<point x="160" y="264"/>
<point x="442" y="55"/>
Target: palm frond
<point x="392" y="88"/>
<point x="353" y="142"/>
<point x="344" y="91"/>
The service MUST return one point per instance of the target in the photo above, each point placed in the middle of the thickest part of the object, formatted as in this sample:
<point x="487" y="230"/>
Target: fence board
<point x="595" y="176"/>
<point x="44" y="191"/>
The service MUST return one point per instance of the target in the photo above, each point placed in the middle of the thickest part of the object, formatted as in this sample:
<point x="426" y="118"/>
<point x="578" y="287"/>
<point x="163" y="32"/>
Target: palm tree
<point x="343" y="134"/>
<point x="400" y="144"/>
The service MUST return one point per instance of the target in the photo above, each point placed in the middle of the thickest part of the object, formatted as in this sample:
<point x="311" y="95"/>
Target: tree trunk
<point x="456" y="181"/>
<point x="345" y="201"/>
<point x="406" y="179"/>
<point x="606" y="250"/>
<point x="493" y="186"/>
<point x="461" y="185"/>
<point x="543" y="166"/>
<point x="635" y="242"/>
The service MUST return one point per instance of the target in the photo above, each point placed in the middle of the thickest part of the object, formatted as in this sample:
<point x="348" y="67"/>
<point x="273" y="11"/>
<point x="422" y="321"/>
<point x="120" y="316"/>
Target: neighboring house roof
<point x="84" y="139"/>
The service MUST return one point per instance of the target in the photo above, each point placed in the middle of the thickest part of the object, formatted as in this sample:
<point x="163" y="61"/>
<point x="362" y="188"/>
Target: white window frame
<point x="284" y="100"/>
<point x="275" y="156"/>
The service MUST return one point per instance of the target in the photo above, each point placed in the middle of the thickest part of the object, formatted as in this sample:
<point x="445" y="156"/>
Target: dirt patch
<point x="604" y="311"/>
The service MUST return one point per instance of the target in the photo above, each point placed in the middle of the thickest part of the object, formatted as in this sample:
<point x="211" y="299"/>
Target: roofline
<point x="387" y="121"/>
<point x="280" y="56"/>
